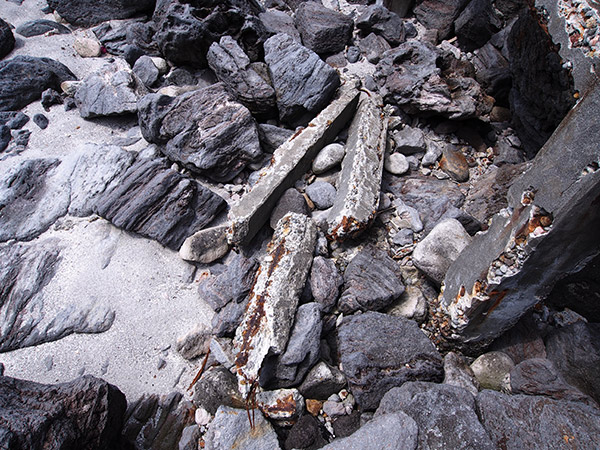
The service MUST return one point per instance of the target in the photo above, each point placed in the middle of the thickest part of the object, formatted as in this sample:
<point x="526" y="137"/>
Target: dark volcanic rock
<point x="232" y="67"/>
<point x="186" y="124"/>
<point x="41" y="121"/>
<point x="374" y="365"/>
<point x="303" y="83"/>
<point x="381" y="21"/>
<point x="492" y="71"/>
<point x="322" y="381"/>
<point x="7" y="39"/>
<point x="146" y="70"/>
<point x="50" y="98"/>
<point x="445" y="414"/>
<point x="575" y="351"/>
<point x="24" y="78"/>
<point x="276" y="21"/>
<point x="476" y="24"/>
<point x="538" y="376"/>
<point x="217" y="387"/>
<point x="523" y="421"/>
<point x="231" y="285"/>
<point x="373" y="47"/>
<point x="4" y="137"/>
<point x="542" y="90"/>
<point x="411" y="76"/>
<point x="372" y="281"/>
<point x="32" y="196"/>
<point x="86" y="13"/>
<point x="41" y="26"/>
<point x="109" y="92"/>
<point x="305" y="434"/>
<point x="323" y="30"/>
<point x="158" y="203"/>
<point x="439" y="15"/>
<point x="157" y="423"/>
<point x="325" y="282"/>
<point x="84" y="413"/>
<point x="290" y="201"/>
<point x="226" y="321"/>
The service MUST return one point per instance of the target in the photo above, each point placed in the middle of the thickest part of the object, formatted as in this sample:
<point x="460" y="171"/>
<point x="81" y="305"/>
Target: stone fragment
<point x="7" y="39"/>
<point x="221" y="348"/>
<point x="323" y="30"/>
<point x="24" y="78"/>
<point x="159" y="203"/>
<point x="276" y="21"/>
<point x="109" y="92"/>
<point x="186" y="125"/>
<point x="290" y="201"/>
<point x="396" y="164"/>
<point x="84" y="413"/>
<point x="289" y="161"/>
<point x="232" y="66"/>
<point x="233" y="284"/>
<point x="195" y="343"/>
<point x="455" y="164"/>
<point x="305" y="434"/>
<point x="379" y="19"/>
<point x="446" y="415"/>
<point x="272" y="137"/>
<point x="217" y="387"/>
<point x="49" y="98"/>
<point x="303" y="83"/>
<point x="524" y="340"/>
<point x="274" y="298"/>
<point x="284" y="406"/>
<point x="491" y="368"/>
<point x="14" y="120"/>
<point x="189" y="438"/>
<point x="492" y="71"/>
<point x="373" y="365"/>
<point x="575" y="352"/>
<point x="86" y="13"/>
<point x="329" y="157"/>
<point x="303" y="347"/>
<point x="389" y="431"/>
<point x="325" y="283"/>
<point x="231" y="429"/>
<point x="41" y="121"/>
<point x="322" y="194"/>
<point x="372" y="281"/>
<point x="408" y="217"/>
<point x="226" y="321"/>
<point x="439" y="15"/>
<point x="206" y="246"/>
<point x="538" y="376"/>
<point x="373" y="46"/>
<point x="433" y="153"/>
<point x="476" y="24"/>
<point x="409" y="140"/>
<point x="483" y="294"/>
<point x="440" y="248"/>
<point x="322" y="381"/>
<point x="362" y="167"/>
<point x="146" y="70"/>
<point x="353" y="54"/>
<point x="457" y="372"/>
<point x="41" y="26"/>
<point x="5" y="137"/>
<point x="523" y="421"/>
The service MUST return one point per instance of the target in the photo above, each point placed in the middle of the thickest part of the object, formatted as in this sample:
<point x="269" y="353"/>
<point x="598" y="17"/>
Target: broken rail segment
<point x="360" y="181"/>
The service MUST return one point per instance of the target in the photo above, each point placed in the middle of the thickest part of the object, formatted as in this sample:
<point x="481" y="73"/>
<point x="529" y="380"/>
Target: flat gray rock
<point x="373" y="365"/>
<point x="323" y="30"/>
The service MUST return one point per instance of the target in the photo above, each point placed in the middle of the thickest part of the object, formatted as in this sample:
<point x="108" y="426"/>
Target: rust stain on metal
<point x="347" y="228"/>
<point x="496" y="297"/>
<point x="297" y="133"/>
<point x="286" y="404"/>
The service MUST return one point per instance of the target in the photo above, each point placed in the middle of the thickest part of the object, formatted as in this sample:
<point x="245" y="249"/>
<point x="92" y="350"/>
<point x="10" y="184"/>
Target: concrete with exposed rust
<point x="289" y="163"/>
<point x="273" y="301"/>
<point x="360" y="180"/>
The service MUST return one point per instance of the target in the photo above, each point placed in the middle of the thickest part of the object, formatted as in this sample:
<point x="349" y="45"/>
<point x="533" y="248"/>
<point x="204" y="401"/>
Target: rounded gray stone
<point x="330" y="156"/>
<point x="491" y="368"/>
<point x="322" y="194"/>
<point x="396" y="164"/>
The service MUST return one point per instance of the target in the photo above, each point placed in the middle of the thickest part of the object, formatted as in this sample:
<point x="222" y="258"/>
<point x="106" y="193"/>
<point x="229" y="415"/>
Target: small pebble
<point x="41" y="121"/>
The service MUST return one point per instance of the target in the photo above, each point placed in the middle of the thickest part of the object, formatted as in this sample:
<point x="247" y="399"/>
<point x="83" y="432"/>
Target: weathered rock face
<point x="322" y="29"/>
<point x="303" y="83"/>
<point x="383" y="22"/>
<point x="476" y="24"/>
<point x="231" y="429"/>
<point x="504" y="272"/>
<point x="41" y="26"/>
<point x="411" y="77"/>
<point x="325" y="282"/>
<point x="85" y="413"/>
<point x="394" y="431"/>
<point x="25" y="270"/>
<point x="575" y="351"/>
<point x="274" y="298"/>
<point x="362" y="168"/>
<point x="86" y="13"/>
<point x="7" y="39"/>
<point x="157" y="422"/>
<point x="372" y="281"/>
<point x="457" y="372"/>
<point x="111" y="91"/>
<point x="217" y="387"/>
<point x="538" y="376"/>
<point x="186" y="126"/>
<point x="232" y="67"/>
<point x="373" y="365"/>
<point x="276" y="21"/>
<point x="542" y="91"/>
<point x="439" y="15"/>
<point x="523" y="421"/>
<point x="24" y="78"/>
<point x="445" y="414"/>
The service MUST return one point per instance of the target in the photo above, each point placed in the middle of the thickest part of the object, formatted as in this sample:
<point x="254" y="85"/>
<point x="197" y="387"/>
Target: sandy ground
<point x="152" y="291"/>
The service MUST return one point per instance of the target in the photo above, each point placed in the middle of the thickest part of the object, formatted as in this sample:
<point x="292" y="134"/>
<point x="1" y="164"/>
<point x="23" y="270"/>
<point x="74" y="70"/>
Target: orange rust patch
<point x="496" y="297"/>
<point x="282" y="405"/>
<point x="297" y="133"/>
